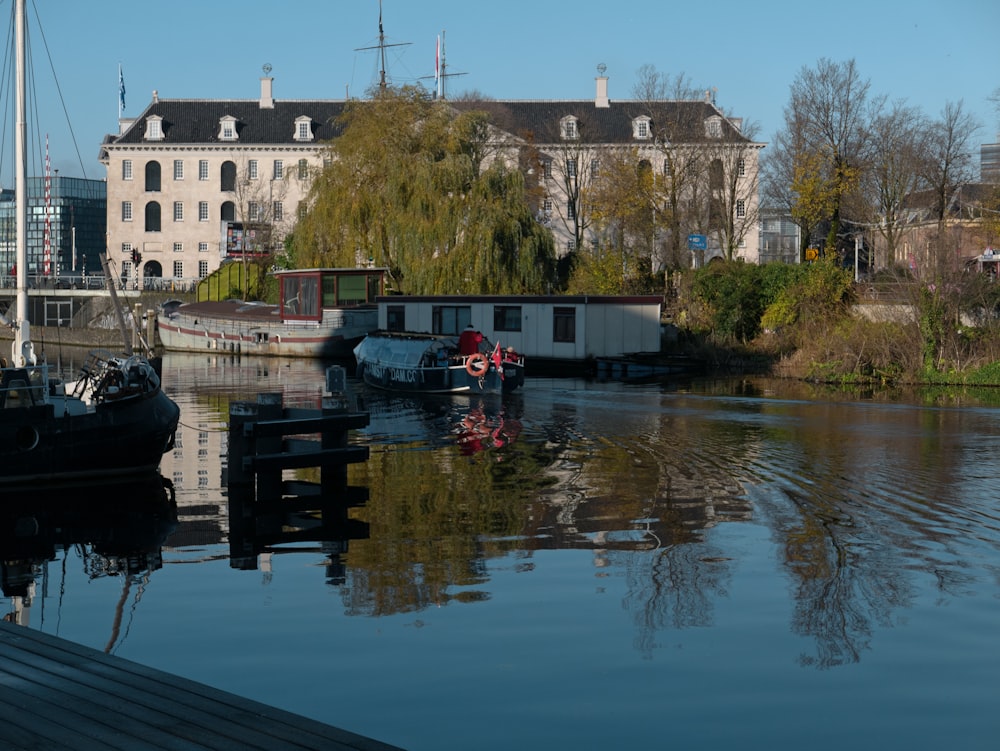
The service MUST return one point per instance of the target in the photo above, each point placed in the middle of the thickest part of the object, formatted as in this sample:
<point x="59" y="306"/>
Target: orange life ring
<point x="477" y="365"/>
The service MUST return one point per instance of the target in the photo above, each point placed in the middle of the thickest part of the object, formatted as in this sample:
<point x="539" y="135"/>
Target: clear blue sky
<point x="927" y="53"/>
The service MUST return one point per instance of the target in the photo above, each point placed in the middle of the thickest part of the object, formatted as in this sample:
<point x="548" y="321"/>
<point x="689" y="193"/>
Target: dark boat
<point x="114" y="420"/>
<point x="432" y="364"/>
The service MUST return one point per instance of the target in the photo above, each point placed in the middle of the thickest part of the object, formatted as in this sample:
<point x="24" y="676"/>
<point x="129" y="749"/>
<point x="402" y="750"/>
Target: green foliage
<point x="807" y="292"/>
<point x="403" y="187"/>
<point x="733" y="298"/>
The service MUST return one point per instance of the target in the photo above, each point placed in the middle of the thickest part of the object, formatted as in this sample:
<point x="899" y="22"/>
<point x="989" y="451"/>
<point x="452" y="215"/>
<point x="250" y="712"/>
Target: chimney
<point x="266" y="100"/>
<point x="156" y="96"/>
<point x="601" y="99"/>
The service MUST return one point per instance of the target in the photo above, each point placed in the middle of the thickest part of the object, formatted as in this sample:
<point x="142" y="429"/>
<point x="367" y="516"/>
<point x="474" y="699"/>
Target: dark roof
<point x="539" y="120"/>
<point x="189" y="121"/>
<point x="197" y="120"/>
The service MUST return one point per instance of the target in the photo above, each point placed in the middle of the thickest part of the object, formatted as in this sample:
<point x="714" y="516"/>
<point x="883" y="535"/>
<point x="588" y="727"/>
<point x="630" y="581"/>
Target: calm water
<point x="708" y="565"/>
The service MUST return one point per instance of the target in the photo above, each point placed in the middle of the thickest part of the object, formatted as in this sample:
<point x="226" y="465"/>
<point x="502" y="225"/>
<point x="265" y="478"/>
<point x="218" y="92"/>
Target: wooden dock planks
<point x="57" y="694"/>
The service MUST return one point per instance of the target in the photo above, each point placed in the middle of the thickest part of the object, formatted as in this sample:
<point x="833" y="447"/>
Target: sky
<point x="926" y="53"/>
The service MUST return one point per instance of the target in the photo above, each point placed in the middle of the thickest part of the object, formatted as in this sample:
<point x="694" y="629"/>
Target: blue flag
<point x="121" y="88"/>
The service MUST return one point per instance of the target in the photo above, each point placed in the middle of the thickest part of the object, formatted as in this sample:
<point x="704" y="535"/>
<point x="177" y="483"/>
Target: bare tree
<point x="826" y="132"/>
<point x="949" y="162"/>
<point x="897" y="141"/>
<point x="260" y="212"/>
<point x="734" y="188"/>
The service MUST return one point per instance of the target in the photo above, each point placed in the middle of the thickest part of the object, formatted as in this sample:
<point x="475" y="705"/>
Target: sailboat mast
<point x="22" y="352"/>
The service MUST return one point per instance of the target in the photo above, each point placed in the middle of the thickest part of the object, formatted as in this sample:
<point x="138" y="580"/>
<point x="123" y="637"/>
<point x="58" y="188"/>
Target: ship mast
<point x="22" y="351"/>
<point x="381" y="47"/>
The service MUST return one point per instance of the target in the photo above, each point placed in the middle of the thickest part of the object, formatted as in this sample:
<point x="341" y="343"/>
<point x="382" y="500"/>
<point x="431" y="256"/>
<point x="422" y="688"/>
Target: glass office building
<point x="75" y="224"/>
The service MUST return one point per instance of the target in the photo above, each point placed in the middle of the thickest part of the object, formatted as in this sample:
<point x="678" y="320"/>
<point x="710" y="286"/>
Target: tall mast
<point x="22" y="351"/>
<point x="381" y="47"/>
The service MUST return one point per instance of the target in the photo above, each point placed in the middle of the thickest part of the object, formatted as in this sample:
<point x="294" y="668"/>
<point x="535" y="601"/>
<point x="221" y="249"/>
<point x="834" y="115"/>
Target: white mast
<point x="22" y="351"/>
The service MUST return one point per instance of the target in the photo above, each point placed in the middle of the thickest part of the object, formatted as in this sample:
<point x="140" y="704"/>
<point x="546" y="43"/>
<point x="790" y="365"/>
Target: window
<point x="303" y="129"/>
<point x="253" y="211"/>
<point x="506" y="317"/>
<point x="450" y="319"/>
<point x="571" y="167"/>
<point x="126" y="169"/>
<point x="595" y="167"/>
<point x="547" y="168"/>
<point x="203" y="169"/>
<point x="641" y="130"/>
<point x="279" y="169"/>
<point x="126" y="211"/>
<point x="571" y="209"/>
<point x="716" y="176"/>
<point x="741" y="167"/>
<point x="252" y="169"/>
<point x="126" y="252"/>
<point x="154" y="128"/>
<point x="178" y="269"/>
<point x="227" y="177"/>
<point x="152" y="177"/>
<point x="152" y="217"/>
<point x="569" y="129"/>
<point x="302" y="209"/>
<point x="564" y="324"/>
<point x="277" y="211"/>
<point x="202" y="269"/>
<point x="713" y="127"/>
<point x="741" y="208"/>
<point x="203" y="248"/>
<point x="395" y="317"/>
<point x="547" y="208"/>
<point x="303" y="169"/>
<point x="178" y="169"/>
<point x="178" y="211"/>
<point x="300" y="296"/>
<point x="203" y="211"/>
<point x="227" y="129"/>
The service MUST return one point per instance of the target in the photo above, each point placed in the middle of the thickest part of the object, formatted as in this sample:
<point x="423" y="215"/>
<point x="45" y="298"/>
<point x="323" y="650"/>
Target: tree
<point x="733" y="189"/>
<point x="948" y="161"/>
<point x="263" y="226"/>
<point x="897" y="142"/>
<point x="825" y="128"/>
<point x="410" y="185"/>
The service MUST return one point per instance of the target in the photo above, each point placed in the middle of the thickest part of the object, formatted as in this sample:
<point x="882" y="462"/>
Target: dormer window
<point x="713" y="127"/>
<point x="154" y="128"/>
<point x="303" y="129"/>
<point x="568" y="128"/>
<point x="227" y="129"/>
<point x="641" y="129"/>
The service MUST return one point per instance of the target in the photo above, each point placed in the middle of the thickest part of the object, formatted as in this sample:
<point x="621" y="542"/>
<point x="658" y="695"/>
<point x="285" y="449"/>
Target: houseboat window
<point x="300" y="296"/>
<point x="507" y="318"/>
<point x="374" y="286"/>
<point x="351" y="290"/>
<point x="395" y="318"/>
<point x="451" y="319"/>
<point x="564" y="324"/>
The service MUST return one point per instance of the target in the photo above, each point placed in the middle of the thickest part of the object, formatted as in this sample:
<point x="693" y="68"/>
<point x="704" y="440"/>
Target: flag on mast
<point x="121" y="90"/>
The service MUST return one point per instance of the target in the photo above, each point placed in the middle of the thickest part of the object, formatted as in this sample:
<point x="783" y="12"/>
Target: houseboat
<point x="321" y="313"/>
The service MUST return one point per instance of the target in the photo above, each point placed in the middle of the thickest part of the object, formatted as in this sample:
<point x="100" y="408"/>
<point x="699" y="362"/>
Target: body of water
<point x="737" y="563"/>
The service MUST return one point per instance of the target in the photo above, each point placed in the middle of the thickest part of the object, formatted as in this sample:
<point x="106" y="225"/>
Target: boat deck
<point x="57" y="694"/>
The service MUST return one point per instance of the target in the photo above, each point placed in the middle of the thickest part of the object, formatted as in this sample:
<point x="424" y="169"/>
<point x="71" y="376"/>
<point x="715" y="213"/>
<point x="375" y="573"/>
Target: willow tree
<point x="408" y="187"/>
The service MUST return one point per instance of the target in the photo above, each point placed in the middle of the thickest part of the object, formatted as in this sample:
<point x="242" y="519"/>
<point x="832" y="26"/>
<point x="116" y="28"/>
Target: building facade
<point x="191" y="183"/>
<point x="66" y="224"/>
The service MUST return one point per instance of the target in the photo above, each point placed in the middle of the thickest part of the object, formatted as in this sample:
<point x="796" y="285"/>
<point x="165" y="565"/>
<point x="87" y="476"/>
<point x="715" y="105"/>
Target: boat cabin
<point x="305" y="293"/>
<point x="571" y="328"/>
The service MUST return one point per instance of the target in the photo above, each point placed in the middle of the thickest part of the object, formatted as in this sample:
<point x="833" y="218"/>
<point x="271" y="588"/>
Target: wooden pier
<point x="57" y="694"/>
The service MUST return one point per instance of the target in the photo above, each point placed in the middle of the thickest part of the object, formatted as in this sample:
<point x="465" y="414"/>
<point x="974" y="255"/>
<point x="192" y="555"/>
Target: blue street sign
<point x="697" y="242"/>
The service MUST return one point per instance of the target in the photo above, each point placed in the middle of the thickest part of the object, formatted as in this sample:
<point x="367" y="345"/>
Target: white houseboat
<point x="575" y="330"/>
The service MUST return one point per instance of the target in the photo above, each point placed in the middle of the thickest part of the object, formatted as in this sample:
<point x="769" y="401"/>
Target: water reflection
<point x="110" y="530"/>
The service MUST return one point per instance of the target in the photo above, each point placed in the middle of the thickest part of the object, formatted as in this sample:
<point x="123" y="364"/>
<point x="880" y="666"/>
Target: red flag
<point x="497" y="359"/>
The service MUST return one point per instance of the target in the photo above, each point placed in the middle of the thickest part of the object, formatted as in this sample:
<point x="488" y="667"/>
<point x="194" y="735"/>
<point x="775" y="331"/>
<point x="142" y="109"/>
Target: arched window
<point x="152" y="177"/>
<point x="716" y="178"/>
<point x="152" y="217"/>
<point x="228" y="175"/>
<point x="228" y="211"/>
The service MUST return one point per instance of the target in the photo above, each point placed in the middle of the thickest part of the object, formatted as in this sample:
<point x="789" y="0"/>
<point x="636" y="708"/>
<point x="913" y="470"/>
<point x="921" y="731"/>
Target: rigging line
<point x="62" y="101"/>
